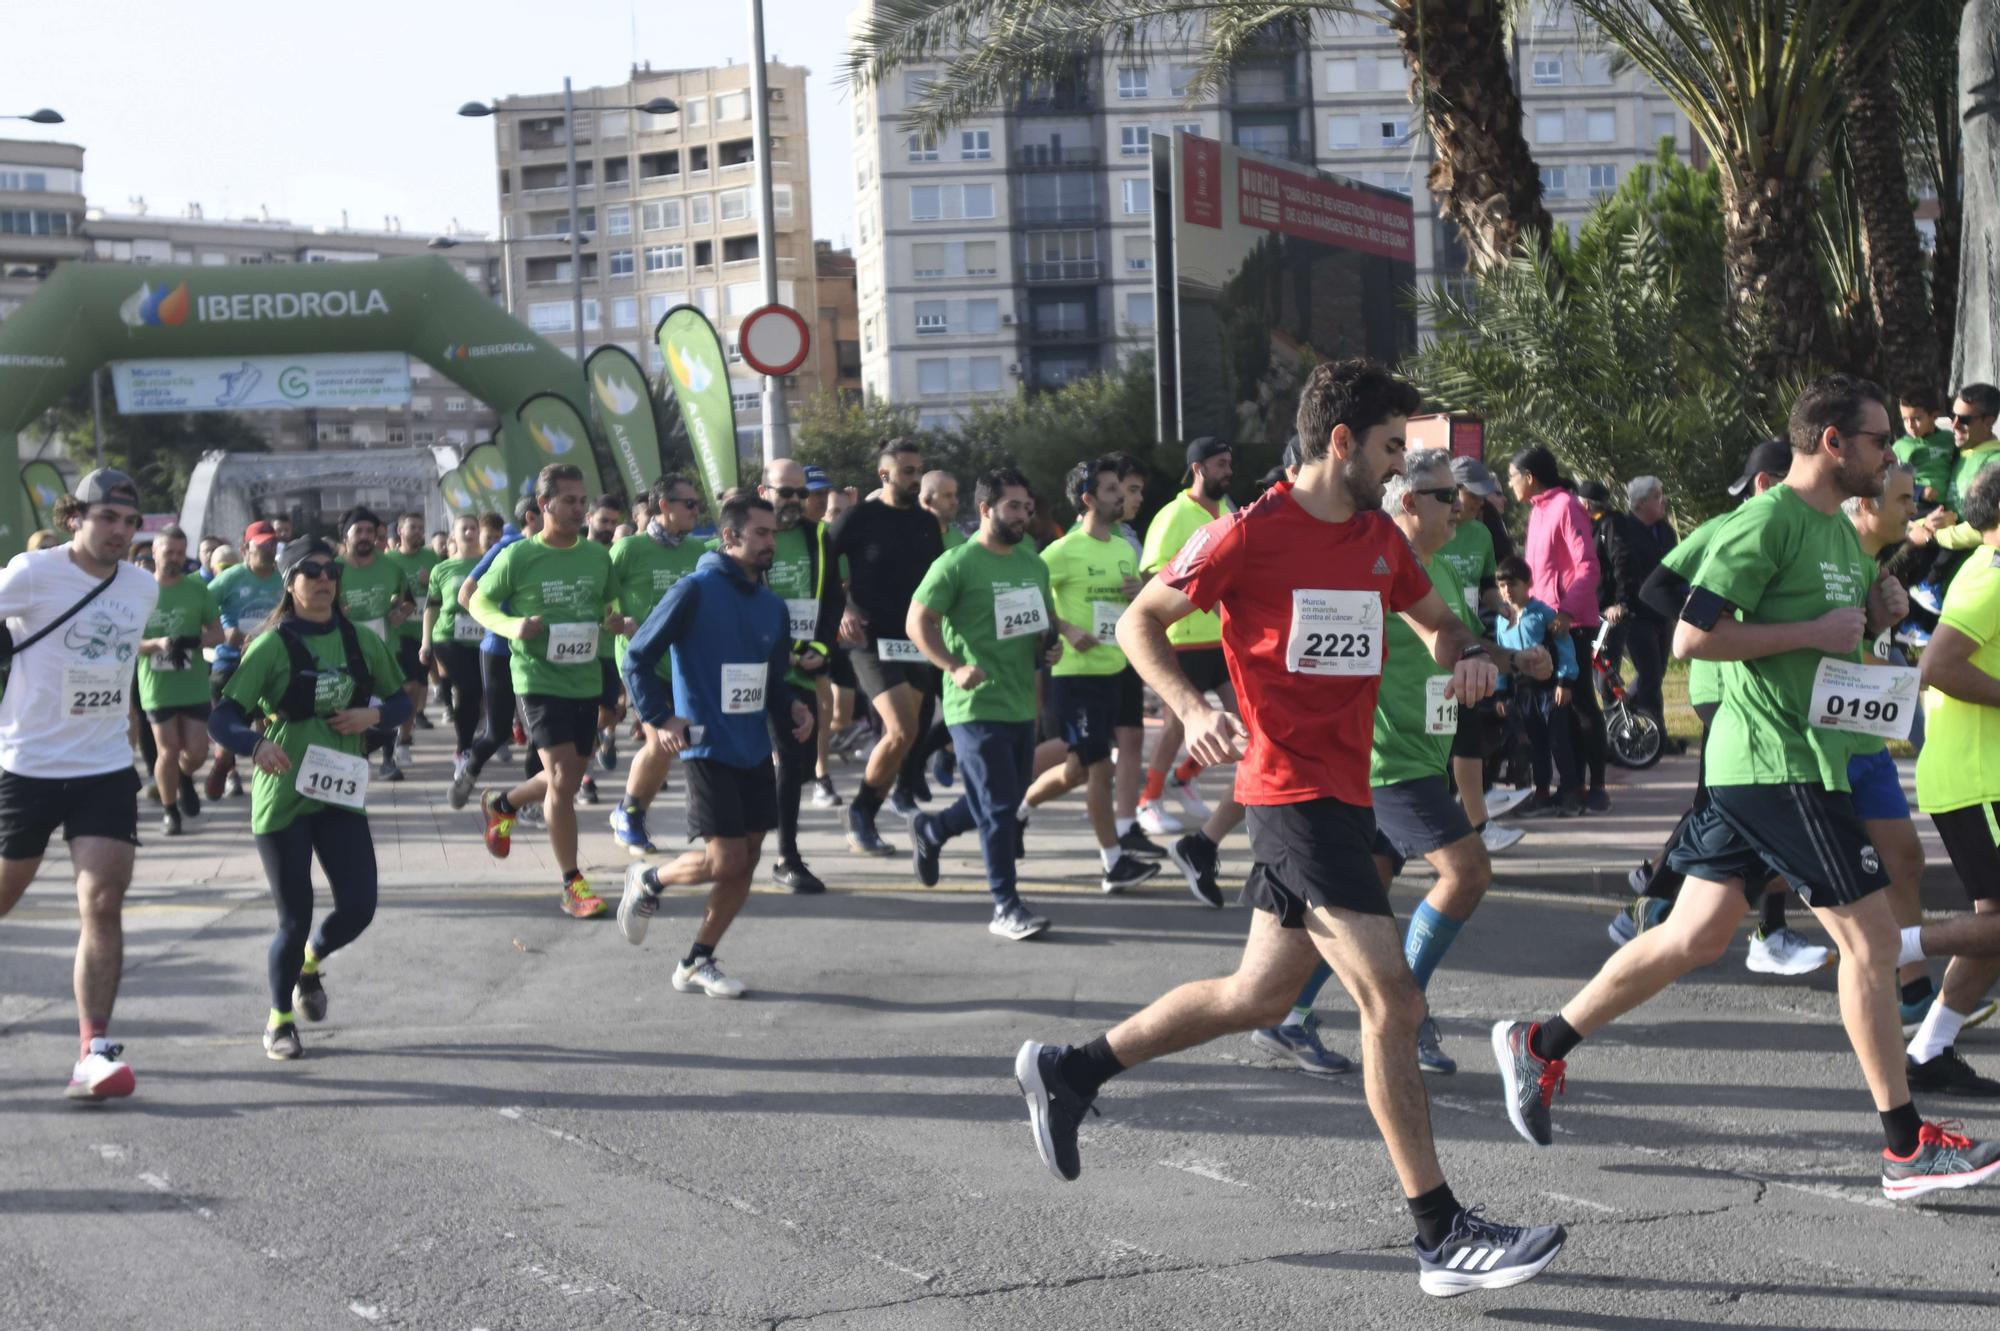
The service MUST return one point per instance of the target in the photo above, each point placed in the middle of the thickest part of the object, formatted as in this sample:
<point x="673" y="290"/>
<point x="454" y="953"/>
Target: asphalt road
<point x="511" y="1120"/>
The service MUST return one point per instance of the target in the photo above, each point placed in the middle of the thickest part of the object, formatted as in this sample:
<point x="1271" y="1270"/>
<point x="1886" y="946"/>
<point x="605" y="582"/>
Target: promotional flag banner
<point x="558" y="434"/>
<point x="622" y="403"/>
<point x="45" y="486"/>
<point x="484" y="472"/>
<point x="700" y="377"/>
<point x="457" y="494"/>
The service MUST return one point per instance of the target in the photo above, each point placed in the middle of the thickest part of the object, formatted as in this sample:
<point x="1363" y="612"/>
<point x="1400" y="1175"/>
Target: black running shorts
<point x="1318" y="853"/>
<point x="1414" y="818"/>
<point x="1131" y="713"/>
<point x="1808" y="835"/>
<point x="1971" y="837"/>
<point x="553" y="722"/>
<point x="1205" y="667"/>
<point x="33" y="807"/>
<point x="727" y="801"/>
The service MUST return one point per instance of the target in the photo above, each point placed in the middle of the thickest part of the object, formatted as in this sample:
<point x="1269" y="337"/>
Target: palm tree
<point x="1926" y="60"/>
<point x="1761" y="83"/>
<point x="1457" y="52"/>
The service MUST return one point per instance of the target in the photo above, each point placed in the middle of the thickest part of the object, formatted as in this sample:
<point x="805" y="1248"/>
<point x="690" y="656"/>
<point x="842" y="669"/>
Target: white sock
<point x="1109" y="856"/>
<point x="1023" y="812"/>
<point x="1123" y="825"/>
<point x="1938" y="1033"/>
<point x="1913" y="947"/>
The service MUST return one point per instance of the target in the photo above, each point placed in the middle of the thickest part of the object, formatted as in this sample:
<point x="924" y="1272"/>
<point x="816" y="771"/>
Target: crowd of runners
<point x="1362" y="641"/>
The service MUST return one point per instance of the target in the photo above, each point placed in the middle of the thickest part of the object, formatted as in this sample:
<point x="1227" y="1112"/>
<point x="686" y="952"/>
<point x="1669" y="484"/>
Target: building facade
<point x="836" y="342"/>
<point x="1016" y="251"/>
<point x="41" y="214"/>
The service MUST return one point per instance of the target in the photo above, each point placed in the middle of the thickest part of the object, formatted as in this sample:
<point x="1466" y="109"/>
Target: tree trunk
<point x="1462" y="78"/>
<point x="1774" y="289"/>
<point x="1908" y="354"/>
<point x="1944" y="277"/>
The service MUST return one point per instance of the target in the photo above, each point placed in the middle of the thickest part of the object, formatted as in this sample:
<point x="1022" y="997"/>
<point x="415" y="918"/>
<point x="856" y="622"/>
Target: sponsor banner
<point x="1314" y="208"/>
<point x="484" y="472"/>
<point x="262" y="383"/>
<point x="700" y="378"/>
<point x="622" y="403"/>
<point x="45" y="487"/>
<point x="171" y="304"/>
<point x="1201" y="169"/>
<point x="556" y="433"/>
<point x="457" y="495"/>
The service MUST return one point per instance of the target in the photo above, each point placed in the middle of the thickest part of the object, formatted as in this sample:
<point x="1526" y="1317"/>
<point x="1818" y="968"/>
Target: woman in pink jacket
<point x="1562" y="555"/>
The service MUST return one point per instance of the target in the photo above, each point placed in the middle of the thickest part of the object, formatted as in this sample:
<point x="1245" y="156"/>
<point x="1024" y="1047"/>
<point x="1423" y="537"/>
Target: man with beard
<point x="245" y="596"/>
<point x="374" y="593"/>
<point x="983" y="617"/>
<point x="1782" y="598"/>
<point x="1308" y="576"/>
<point x="417" y="559"/>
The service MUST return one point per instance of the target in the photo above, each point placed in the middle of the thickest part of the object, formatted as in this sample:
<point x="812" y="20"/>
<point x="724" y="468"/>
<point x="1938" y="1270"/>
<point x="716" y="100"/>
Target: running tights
<point x="346" y="853"/>
<point x="468" y="691"/>
<point x="496" y="676"/>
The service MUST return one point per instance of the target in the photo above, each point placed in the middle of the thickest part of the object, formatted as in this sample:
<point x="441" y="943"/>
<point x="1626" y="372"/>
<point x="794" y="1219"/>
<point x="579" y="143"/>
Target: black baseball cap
<point x="1594" y="492"/>
<point x="107" y="485"/>
<point x="1208" y="446"/>
<point x="298" y="552"/>
<point x="1773" y="456"/>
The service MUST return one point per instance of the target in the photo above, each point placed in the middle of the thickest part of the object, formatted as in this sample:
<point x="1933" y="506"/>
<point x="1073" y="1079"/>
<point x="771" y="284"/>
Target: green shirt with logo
<point x="1470" y="554"/>
<point x="642" y="569"/>
<point x="1183" y="516"/>
<point x="561" y="585"/>
<point x="963" y="588"/>
<point x="1086" y="573"/>
<point x="1779" y="560"/>
<point x="369" y="592"/>
<point x="791" y="577"/>
<point x="446" y="575"/>
<point x="183" y="608"/>
<point x="417" y="581"/>
<point x="258" y="686"/>
<point x="1400" y="750"/>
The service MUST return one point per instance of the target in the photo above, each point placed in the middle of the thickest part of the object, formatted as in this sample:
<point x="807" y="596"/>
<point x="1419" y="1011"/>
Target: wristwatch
<point x="1476" y="649"/>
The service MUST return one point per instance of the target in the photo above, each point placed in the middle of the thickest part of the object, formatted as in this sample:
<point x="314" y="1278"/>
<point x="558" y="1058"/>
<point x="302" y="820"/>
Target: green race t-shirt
<point x="642" y="569"/>
<point x="566" y="586"/>
<point x="1959" y="765"/>
<point x="1966" y="469"/>
<point x="1704" y="677"/>
<point x="442" y="590"/>
<point x="1183" y="516"/>
<point x="1779" y="560"/>
<point x="963" y="588"/>
<point x="368" y="594"/>
<point x="1087" y="577"/>
<point x="417" y="581"/>
<point x="258" y="686"/>
<point x="1470" y="554"/>
<point x="953" y="536"/>
<point x="791" y="577"/>
<point x="1930" y="457"/>
<point x="184" y="606"/>
<point x="1400" y="750"/>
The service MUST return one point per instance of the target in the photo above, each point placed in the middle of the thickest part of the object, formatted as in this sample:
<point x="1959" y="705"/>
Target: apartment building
<point x="836" y="343"/>
<point x="667" y="214"/>
<point x="41" y="214"/>
<point x="1016" y="250"/>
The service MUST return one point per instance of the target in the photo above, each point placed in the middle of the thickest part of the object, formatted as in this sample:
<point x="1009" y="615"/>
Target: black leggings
<point x="496" y="674"/>
<point x="796" y="763"/>
<point x="1586" y="715"/>
<point x="346" y="853"/>
<point x="461" y="671"/>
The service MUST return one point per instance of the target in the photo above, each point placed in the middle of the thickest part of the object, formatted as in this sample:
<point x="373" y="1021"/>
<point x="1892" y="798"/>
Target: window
<point x="1601" y="125"/>
<point x="781" y="200"/>
<point x="1190" y="127"/>
<point x="915" y="85"/>
<point x="739" y="298"/>
<point x="664" y="215"/>
<point x="704" y="300"/>
<point x="975" y="145"/>
<point x="625" y="312"/>
<point x="1132" y="82"/>
<point x="923" y="147"/>
<point x="1138" y="254"/>
<point x="732" y="106"/>
<point x="982" y="258"/>
<point x="926" y="203"/>
<point x="694" y="111"/>
<point x="665" y="258"/>
<point x="748" y="400"/>
<point x="1393" y="131"/>
<point x="454" y="404"/>
<point x="1603" y="177"/>
<point x="657" y="306"/>
<point x="1340" y="76"/>
<point x="734" y="204"/>
<point x="931" y="318"/>
<point x="933" y="377"/>
<point x="656" y="359"/>
<point x="982" y="316"/>
<point x="1179" y="79"/>
<point x="613" y="124"/>
<point x="1549" y="127"/>
<point x="698" y="209"/>
<point x="1139" y="309"/>
<point x="985" y="374"/>
<point x="932" y="203"/>
<point x="1135" y="140"/>
<point x="926" y="261"/>
<point x="551" y="317"/>
<point x="621" y="263"/>
<point x="618" y="220"/>
<point x="652" y="124"/>
<point x="421" y="402"/>
<point x="1548" y="70"/>
<point x="1343" y="132"/>
<point x="1138" y="195"/>
<point x="1555" y="182"/>
<point x="978" y="200"/>
<point x="1666" y="125"/>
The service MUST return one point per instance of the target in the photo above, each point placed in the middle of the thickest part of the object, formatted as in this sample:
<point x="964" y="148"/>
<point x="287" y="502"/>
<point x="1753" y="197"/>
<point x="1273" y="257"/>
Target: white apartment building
<point x="1016" y="250"/>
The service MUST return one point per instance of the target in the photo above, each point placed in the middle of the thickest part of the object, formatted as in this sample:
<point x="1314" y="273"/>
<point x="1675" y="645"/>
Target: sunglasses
<point x="317" y="569"/>
<point x="1445" y="496"/>
<point x="790" y="491"/>
<point x="689" y="504"/>
<point x="1967" y="420"/>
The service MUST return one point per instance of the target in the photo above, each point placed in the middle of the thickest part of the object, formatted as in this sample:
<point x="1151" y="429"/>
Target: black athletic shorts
<point x="1131" y="712"/>
<point x="196" y="710"/>
<point x="1971" y="837"/>
<point x="1204" y="666"/>
<point x="33" y="807"/>
<point x="840" y="669"/>
<point x="875" y="677"/>
<point x="553" y="722"/>
<point x="407" y="656"/>
<point x="1414" y="818"/>
<point x="1808" y="835"/>
<point x="726" y="801"/>
<point x="1315" y="853"/>
<point x="1085" y="708"/>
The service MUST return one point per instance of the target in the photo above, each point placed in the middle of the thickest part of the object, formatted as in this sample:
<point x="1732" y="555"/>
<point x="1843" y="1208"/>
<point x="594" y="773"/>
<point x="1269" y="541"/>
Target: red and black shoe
<point x="1530" y="1082"/>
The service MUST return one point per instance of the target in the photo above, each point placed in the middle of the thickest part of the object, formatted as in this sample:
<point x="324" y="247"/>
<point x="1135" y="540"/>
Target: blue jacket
<point x="713" y="618"/>
<point x="493" y="644"/>
<point x="1536" y="628"/>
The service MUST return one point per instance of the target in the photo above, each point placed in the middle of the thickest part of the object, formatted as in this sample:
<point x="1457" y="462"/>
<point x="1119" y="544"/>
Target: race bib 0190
<point x="572" y="644"/>
<point x="1866" y="699"/>
<point x="1019" y="613"/>
<point x="1335" y="633"/>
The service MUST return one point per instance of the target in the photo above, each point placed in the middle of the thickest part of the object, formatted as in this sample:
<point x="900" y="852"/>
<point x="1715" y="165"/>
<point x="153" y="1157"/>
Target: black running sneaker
<point x="1127" y="871"/>
<point x="1054" y="1110"/>
<point x="924" y="850"/>
<point x="797" y="879"/>
<point x="862" y="837"/>
<point x="1529" y="1082"/>
<point x="282" y="1042"/>
<point x="1135" y="842"/>
<point x="189" y="802"/>
<point x="1942" y="1159"/>
<point x="1195" y="856"/>
<point x="1948" y="1074"/>
<point x="1479" y="1254"/>
<point x="309" y="997"/>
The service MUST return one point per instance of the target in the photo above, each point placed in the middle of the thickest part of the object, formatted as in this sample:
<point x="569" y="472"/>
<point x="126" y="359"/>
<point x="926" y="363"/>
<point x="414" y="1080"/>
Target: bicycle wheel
<point x="1636" y="739"/>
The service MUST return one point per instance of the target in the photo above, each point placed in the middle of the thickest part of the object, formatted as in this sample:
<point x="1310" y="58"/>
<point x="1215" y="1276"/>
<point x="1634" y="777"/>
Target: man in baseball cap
<point x="1772" y="458"/>
<point x="1471" y="474"/>
<point x="259" y="532"/>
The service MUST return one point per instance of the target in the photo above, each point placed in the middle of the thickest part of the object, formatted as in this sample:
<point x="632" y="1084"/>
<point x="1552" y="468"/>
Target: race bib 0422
<point x="572" y="644"/>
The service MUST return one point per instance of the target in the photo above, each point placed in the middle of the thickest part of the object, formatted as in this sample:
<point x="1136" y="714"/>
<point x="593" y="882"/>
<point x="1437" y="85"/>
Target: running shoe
<point x="1134" y="842"/>
<point x="706" y="976"/>
<point x="213" y="785"/>
<point x="1529" y="1082"/>
<point x="1156" y="821"/>
<point x="1943" y="1159"/>
<point x="309" y="997"/>
<point x="607" y="750"/>
<point x="420" y="721"/>
<point x="795" y="878"/>
<point x="170" y="821"/>
<point x="1785" y="952"/>
<point x="1501" y="801"/>
<point x="461" y="781"/>
<point x="233" y="784"/>
<point x="1127" y="871"/>
<point x="1538" y="805"/>
<point x="1948" y="1074"/>
<point x="578" y="900"/>
<point x="532" y="815"/>
<point x="1191" y="800"/>
<point x="628" y="825"/>
<point x="586" y="791"/>
<point x="1570" y="805"/>
<point x="944" y="768"/>
<point x="1497" y="838"/>
<point x="1479" y="1254"/>
<point x="100" y="1074"/>
<point x="1597" y="800"/>
<point x="1635" y="919"/>
<point x="499" y="826"/>
<point x="904" y="803"/>
<point x="1930" y="596"/>
<point x="190" y="803"/>
<point x="638" y="904"/>
<point x="1300" y="1042"/>
<point x="1055" y="1111"/>
<point x="824" y="796"/>
<point x="1913" y="636"/>
<point x="403" y="755"/>
<point x="862" y="838"/>
<point x="390" y="771"/>
<point x="1015" y="922"/>
<point x="1431" y="1056"/>
<point x="924" y="848"/>
<point x="1640" y="878"/>
<point x="281" y="1042"/>
<point x="1197" y="859"/>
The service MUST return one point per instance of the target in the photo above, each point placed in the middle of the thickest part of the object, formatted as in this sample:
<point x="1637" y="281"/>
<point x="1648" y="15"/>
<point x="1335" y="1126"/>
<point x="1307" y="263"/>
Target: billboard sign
<point x="259" y="383"/>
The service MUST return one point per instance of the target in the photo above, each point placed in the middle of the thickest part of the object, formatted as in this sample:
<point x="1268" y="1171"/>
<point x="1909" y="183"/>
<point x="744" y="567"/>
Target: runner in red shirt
<point x="1304" y="579"/>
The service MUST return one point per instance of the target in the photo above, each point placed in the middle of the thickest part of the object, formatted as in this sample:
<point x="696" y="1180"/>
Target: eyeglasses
<point x="790" y="491"/>
<point x="316" y="570"/>
<point x="1445" y="496"/>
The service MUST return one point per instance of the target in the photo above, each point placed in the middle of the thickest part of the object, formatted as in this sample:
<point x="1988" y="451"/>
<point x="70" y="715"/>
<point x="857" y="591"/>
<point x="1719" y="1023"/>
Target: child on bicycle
<point x="1540" y="708"/>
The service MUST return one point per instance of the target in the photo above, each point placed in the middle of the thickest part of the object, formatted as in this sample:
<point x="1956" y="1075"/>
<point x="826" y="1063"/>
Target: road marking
<point x="1582" y="1201"/>
<point x="1207" y="1169"/>
<point x="367" y="1312"/>
<point x="111" y="1152"/>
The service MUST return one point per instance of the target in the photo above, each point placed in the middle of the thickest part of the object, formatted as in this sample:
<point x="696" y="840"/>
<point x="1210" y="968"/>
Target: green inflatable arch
<point x="85" y="315"/>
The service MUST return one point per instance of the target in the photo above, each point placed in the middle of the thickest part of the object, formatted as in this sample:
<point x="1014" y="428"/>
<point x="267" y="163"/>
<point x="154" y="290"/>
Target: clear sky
<point x="314" y="106"/>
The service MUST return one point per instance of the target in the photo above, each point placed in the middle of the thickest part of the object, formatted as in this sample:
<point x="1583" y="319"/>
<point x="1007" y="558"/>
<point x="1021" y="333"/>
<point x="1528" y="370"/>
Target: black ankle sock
<point x="1435" y="1213"/>
<point x="1917" y="990"/>
<point x="502" y="803"/>
<point x="1774" y="913"/>
<point x="1086" y="1067"/>
<point x="697" y="954"/>
<point x="867" y="800"/>
<point x="1900" y="1125"/>
<point x="1553" y="1039"/>
<point x="1477" y="830"/>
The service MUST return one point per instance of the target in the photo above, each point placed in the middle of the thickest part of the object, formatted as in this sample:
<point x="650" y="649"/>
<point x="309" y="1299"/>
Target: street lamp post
<point x="41" y="117"/>
<point x="777" y="422"/>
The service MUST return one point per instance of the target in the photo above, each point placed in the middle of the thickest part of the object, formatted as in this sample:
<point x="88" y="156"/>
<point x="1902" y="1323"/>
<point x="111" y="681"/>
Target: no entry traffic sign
<point x="773" y="340"/>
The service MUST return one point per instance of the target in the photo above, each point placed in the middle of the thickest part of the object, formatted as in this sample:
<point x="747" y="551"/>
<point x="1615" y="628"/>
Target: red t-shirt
<point x="1302" y="601"/>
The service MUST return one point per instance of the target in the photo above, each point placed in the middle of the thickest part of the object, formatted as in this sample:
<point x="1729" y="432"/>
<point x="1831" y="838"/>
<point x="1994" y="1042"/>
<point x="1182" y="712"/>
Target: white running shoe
<point x="707" y="977"/>
<point x="403" y="755"/>
<point x="1154" y="819"/>
<point x="1501" y="801"/>
<point x="100" y="1075"/>
<point x="1785" y="952"/>
<point x="1191" y="800"/>
<point x="1498" y="838"/>
<point x="637" y="906"/>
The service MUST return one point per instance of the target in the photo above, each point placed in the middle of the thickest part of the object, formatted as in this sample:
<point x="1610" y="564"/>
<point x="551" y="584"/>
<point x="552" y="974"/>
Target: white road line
<point x="1582" y="1201"/>
<point x="1207" y="1169"/>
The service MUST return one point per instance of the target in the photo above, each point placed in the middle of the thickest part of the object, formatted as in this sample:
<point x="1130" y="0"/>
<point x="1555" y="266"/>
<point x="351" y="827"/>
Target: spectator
<point x="1540" y="708"/>
<point x="1562" y="560"/>
<point x="1639" y="539"/>
<point x="1926" y="448"/>
<point x="1596" y="501"/>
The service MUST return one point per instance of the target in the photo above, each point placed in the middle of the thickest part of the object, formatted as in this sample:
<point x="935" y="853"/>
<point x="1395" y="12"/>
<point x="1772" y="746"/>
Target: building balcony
<point x="1063" y="270"/>
<point x="1043" y="155"/>
<point x="1056" y="214"/>
<point x="1268" y="92"/>
<point x="1063" y="334"/>
<point x="1295" y="150"/>
<point x="1079" y="102"/>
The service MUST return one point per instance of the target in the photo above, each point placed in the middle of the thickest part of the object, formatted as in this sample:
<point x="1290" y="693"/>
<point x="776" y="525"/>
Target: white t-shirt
<point x="40" y="735"/>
